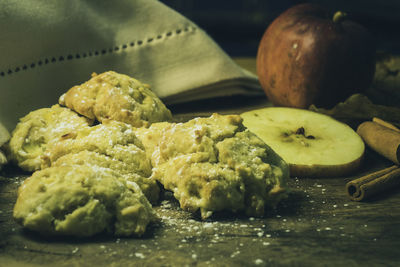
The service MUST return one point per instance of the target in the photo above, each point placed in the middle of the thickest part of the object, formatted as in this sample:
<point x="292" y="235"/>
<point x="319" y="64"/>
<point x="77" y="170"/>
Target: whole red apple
<point x="308" y="56"/>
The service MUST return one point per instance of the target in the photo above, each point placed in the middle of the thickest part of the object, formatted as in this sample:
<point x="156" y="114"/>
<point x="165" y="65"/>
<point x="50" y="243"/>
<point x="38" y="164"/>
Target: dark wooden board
<point x="316" y="226"/>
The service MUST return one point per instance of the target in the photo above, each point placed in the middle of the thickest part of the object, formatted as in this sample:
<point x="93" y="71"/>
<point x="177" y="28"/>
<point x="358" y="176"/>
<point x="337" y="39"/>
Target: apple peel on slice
<point x="313" y="144"/>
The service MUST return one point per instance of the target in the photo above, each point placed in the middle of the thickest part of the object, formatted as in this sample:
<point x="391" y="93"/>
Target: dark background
<point x="237" y="25"/>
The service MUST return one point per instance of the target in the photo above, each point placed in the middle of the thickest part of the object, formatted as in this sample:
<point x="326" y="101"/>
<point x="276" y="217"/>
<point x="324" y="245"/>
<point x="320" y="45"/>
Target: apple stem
<point x="339" y="16"/>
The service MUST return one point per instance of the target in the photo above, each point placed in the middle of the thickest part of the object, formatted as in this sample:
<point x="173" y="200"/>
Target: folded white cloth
<point x="47" y="47"/>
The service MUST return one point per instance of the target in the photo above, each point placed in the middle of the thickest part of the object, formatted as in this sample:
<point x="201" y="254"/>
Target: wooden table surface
<point x="316" y="226"/>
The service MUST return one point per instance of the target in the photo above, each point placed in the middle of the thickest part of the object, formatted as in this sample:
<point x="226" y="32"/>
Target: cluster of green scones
<point x="99" y="157"/>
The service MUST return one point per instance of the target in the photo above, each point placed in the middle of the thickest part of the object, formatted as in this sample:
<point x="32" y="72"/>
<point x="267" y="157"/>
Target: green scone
<point x="112" y="145"/>
<point x="39" y="128"/>
<point x="214" y="164"/>
<point x="82" y="200"/>
<point x="114" y="96"/>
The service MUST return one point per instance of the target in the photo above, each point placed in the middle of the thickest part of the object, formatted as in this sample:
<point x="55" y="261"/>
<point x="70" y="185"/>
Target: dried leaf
<point x="359" y="108"/>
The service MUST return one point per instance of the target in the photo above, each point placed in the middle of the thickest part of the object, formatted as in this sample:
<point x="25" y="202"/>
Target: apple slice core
<point x="313" y="144"/>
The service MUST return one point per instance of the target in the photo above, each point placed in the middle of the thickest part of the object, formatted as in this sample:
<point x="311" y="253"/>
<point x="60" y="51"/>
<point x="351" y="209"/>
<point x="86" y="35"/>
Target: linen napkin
<point x="49" y="46"/>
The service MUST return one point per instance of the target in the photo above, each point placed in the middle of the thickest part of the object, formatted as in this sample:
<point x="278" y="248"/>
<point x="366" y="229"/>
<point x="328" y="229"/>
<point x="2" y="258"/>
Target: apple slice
<point x="313" y="144"/>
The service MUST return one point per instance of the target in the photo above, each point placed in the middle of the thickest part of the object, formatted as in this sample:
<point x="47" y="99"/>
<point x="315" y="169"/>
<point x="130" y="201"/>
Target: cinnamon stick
<point x="381" y="137"/>
<point x="385" y="123"/>
<point x="374" y="183"/>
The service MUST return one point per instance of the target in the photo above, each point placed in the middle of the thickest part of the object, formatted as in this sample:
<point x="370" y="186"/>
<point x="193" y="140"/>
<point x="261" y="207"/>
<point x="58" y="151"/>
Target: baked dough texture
<point x="122" y="168"/>
<point x="115" y="96"/>
<point x="39" y="128"/>
<point x="82" y="200"/>
<point x="112" y="145"/>
<point x="213" y="164"/>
